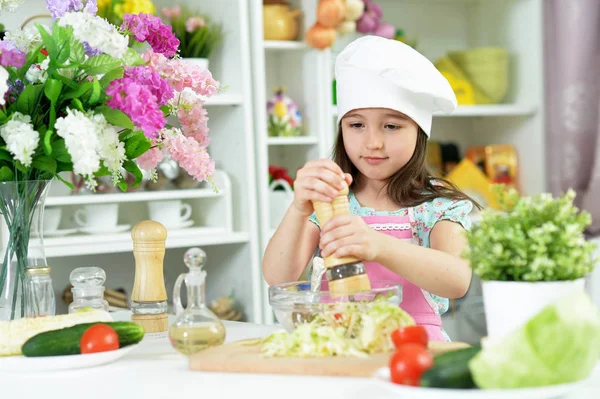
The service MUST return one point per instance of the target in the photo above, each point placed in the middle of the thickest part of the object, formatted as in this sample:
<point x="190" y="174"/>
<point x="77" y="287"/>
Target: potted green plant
<point x="528" y="255"/>
<point x="198" y="35"/>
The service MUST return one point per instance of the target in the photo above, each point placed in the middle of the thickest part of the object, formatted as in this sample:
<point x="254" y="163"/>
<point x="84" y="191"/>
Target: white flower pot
<point x="279" y="201"/>
<point x="510" y="304"/>
<point x="201" y="62"/>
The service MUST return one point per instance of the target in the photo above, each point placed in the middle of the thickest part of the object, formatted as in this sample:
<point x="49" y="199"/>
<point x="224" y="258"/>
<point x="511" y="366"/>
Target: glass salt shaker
<point x="88" y="289"/>
<point x="39" y="293"/>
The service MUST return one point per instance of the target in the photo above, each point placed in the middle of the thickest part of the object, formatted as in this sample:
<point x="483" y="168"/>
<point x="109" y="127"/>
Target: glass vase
<point x="22" y="207"/>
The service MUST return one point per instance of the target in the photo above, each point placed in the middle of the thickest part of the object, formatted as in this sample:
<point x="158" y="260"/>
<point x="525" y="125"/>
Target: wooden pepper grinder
<point x="149" y="296"/>
<point x="343" y="274"/>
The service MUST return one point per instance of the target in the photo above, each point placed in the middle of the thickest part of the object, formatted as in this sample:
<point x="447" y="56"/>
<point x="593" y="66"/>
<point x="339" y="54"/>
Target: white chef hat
<point x="374" y="72"/>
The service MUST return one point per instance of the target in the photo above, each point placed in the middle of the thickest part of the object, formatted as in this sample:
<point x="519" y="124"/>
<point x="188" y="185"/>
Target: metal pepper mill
<point x="348" y="274"/>
<point x="149" y="297"/>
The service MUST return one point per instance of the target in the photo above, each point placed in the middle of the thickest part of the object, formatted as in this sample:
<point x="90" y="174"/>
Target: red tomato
<point x="408" y="364"/>
<point x="99" y="338"/>
<point x="410" y="334"/>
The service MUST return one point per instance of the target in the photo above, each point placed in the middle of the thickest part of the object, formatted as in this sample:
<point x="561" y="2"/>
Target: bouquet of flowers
<point x="76" y="97"/>
<point x="197" y="34"/>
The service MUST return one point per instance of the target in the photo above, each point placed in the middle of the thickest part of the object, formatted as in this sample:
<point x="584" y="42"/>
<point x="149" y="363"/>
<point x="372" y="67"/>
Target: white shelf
<point x="481" y="111"/>
<point x="285" y="45"/>
<point x="141" y="196"/>
<point x="76" y="245"/>
<point x="225" y="99"/>
<point x="302" y="140"/>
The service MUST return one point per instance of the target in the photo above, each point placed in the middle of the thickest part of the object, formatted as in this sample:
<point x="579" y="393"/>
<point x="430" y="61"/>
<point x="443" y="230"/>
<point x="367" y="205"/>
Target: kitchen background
<point x="527" y="116"/>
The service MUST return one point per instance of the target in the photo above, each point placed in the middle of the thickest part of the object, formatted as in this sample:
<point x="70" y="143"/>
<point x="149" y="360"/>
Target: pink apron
<point x="415" y="301"/>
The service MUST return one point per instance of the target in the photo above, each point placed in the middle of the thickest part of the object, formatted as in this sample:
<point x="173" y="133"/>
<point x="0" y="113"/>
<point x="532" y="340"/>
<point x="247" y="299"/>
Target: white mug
<point x="98" y="216"/>
<point x="170" y="213"/>
<point x="52" y="219"/>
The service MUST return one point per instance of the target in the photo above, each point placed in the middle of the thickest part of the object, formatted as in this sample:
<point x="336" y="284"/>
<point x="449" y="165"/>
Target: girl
<point x="406" y="225"/>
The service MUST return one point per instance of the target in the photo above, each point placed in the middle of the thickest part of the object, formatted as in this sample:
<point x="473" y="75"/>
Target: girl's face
<point x="379" y="141"/>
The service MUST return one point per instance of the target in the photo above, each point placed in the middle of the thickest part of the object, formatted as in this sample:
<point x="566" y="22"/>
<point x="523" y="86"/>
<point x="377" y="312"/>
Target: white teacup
<point x="98" y="216"/>
<point x="52" y="219"/>
<point x="170" y="213"/>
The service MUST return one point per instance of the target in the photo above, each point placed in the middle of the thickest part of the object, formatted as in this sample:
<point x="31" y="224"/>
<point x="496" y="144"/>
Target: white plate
<point x="60" y="232"/>
<point x="183" y="225"/>
<point x="22" y="364"/>
<point x="382" y="377"/>
<point x="106" y="230"/>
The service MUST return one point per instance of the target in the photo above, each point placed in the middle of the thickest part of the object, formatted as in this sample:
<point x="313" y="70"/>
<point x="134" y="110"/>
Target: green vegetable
<point x="66" y="340"/>
<point x="559" y="345"/>
<point x="348" y="329"/>
<point x="451" y="370"/>
<point x="538" y="238"/>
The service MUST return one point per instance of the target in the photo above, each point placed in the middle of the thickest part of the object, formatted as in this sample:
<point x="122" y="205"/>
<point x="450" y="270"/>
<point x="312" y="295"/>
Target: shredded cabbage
<point x="348" y="329"/>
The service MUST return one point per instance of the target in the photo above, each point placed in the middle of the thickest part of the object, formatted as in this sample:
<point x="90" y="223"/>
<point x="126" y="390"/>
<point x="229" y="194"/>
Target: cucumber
<point x="451" y="370"/>
<point x="66" y="340"/>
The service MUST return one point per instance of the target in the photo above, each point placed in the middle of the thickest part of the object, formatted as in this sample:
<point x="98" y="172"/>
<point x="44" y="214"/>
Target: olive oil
<point x="190" y="339"/>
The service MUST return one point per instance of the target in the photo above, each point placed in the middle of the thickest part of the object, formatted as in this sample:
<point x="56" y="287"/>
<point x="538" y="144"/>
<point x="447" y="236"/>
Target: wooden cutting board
<point x="236" y="357"/>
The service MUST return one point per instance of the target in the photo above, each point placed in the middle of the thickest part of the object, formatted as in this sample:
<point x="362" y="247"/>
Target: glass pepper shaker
<point x="88" y="289"/>
<point x="39" y="293"/>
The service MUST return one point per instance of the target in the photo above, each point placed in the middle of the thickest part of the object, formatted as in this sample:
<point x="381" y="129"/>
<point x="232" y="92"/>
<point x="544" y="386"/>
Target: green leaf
<point x="77" y="55"/>
<point x="132" y="168"/>
<point x="20" y="167"/>
<point x="110" y="76"/>
<point x="44" y="163"/>
<point x="133" y="58"/>
<point x="103" y="171"/>
<point x="67" y="183"/>
<point x="52" y="89"/>
<point x="60" y="152"/>
<point x="143" y="146"/>
<point x="122" y="185"/>
<point x="95" y="91"/>
<point x="63" y="167"/>
<point x="5" y="155"/>
<point x="6" y="174"/>
<point x="80" y="91"/>
<point x="116" y="117"/>
<point x="64" y="52"/>
<point x="77" y="104"/>
<point x="49" y="42"/>
<point x="126" y="135"/>
<point x="28" y="99"/>
<point x="100" y="64"/>
<point x="48" y="137"/>
<point x="132" y="144"/>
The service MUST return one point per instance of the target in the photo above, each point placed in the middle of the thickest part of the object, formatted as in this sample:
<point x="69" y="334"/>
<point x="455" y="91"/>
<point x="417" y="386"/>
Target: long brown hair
<point x="413" y="184"/>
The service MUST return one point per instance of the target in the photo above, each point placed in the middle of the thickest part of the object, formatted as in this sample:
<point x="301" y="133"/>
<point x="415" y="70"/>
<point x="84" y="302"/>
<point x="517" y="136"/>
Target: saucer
<point x="182" y="225"/>
<point x="106" y="230"/>
<point x="59" y="232"/>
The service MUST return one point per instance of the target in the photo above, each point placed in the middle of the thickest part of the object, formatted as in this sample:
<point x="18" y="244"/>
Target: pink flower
<point x="194" y="123"/>
<point x="150" y="159"/>
<point x="146" y="76"/>
<point x="193" y="23"/>
<point x="150" y="29"/>
<point x="181" y="74"/>
<point x="139" y="103"/>
<point x="190" y="155"/>
<point x="171" y="13"/>
<point x="10" y="55"/>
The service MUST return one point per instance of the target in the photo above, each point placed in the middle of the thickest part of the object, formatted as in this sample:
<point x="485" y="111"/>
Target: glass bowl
<point x="294" y="303"/>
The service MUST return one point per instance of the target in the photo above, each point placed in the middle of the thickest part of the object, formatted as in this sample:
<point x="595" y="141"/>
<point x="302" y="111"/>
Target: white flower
<point x="81" y="140"/>
<point x="109" y="147"/>
<point x="3" y="84"/>
<point x="27" y="39"/>
<point x="20" y="137"/>
<point x="97" y="32"/>
<point x="37" y="73"/>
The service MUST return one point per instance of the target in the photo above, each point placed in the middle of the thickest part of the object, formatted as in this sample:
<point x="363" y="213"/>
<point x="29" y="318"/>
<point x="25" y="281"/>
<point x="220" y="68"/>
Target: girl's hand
<point x="349" y="235"/>
<point x="319" y="180"/>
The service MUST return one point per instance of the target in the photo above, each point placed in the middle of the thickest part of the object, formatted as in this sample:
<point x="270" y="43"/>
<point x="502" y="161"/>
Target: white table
<point x="157" y="371"/>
